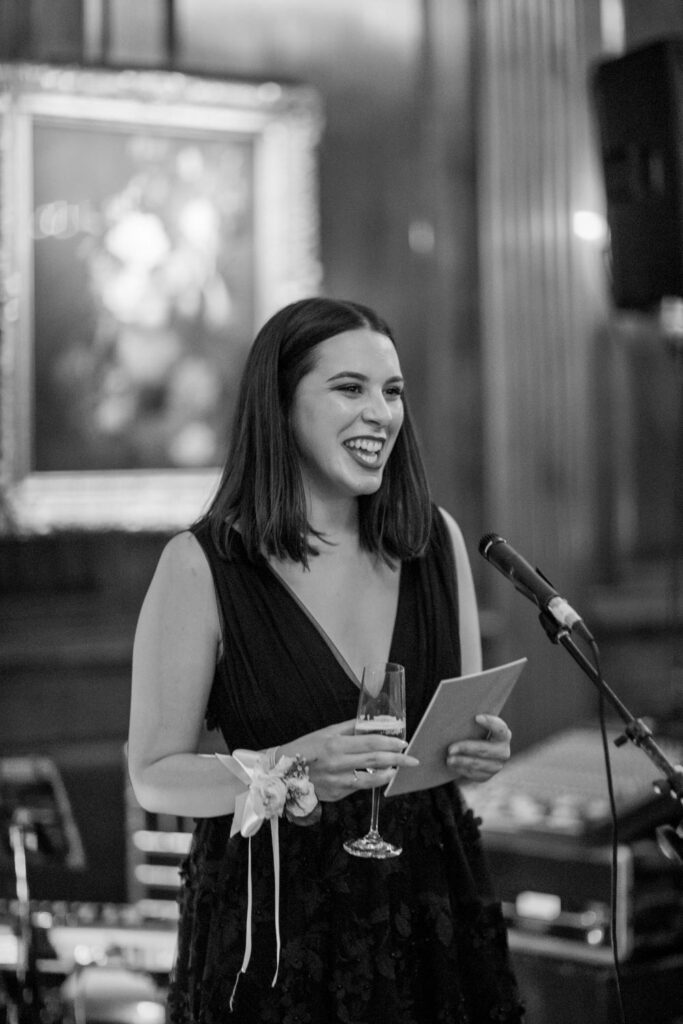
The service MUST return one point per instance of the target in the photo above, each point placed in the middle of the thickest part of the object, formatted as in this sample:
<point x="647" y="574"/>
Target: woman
<point x="321" y="552"/>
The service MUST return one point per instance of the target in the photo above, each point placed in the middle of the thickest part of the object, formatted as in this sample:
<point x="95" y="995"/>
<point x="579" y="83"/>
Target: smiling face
<point x="346" y="414"/>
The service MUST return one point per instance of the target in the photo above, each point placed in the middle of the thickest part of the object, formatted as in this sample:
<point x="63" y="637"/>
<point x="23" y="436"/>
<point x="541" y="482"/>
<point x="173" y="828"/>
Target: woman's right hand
<point x="341" y="763"/>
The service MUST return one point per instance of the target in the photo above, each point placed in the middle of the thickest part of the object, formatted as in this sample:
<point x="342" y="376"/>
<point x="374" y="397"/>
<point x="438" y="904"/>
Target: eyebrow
<point x="361" y="376"/>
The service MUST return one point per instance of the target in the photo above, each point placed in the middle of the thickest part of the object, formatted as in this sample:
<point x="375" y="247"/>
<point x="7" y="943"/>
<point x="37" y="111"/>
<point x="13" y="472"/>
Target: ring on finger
<point x="356" y="777"/>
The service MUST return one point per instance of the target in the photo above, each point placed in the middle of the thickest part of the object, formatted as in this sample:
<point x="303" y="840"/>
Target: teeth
<point x="365" y="444"/>
<point x="366" y="449"/>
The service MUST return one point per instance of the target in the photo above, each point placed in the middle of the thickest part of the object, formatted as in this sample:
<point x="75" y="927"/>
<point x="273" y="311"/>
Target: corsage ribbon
<point x="271" y="789"/>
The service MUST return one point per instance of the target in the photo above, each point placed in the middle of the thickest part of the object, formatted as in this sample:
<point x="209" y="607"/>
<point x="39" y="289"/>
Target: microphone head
<point x="487" y="541"/>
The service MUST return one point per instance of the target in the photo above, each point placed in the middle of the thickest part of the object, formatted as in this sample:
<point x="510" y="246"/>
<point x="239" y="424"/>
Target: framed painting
<point x="149" y="223"/>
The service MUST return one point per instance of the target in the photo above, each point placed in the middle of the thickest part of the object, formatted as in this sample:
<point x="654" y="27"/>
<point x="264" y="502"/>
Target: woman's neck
<point x="334" y="520"/>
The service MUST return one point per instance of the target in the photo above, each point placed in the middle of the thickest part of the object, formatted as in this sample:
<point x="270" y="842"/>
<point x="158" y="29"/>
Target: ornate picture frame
<point x="150" y="222"/>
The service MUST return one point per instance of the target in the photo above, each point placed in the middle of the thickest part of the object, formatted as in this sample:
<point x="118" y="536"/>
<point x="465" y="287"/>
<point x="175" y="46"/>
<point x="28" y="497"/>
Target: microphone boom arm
<point x="635" y="729"/>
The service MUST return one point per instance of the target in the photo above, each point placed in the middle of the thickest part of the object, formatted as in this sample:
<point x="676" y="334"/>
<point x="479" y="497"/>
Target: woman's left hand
<point x="478" y="760"/>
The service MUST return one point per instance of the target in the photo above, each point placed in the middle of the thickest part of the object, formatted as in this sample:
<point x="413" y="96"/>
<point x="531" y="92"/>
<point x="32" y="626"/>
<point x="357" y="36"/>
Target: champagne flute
<point x="381" y="709"/>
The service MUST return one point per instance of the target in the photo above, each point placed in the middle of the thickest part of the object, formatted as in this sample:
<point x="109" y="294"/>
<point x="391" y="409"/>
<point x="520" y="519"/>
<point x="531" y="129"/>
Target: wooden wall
<point x="541" y="307"/>
<point x="582" y="405"/>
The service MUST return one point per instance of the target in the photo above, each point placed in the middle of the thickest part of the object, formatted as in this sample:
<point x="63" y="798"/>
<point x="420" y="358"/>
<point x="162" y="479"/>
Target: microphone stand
<point x="635" y="729"/>
<point x="41" y="829"/>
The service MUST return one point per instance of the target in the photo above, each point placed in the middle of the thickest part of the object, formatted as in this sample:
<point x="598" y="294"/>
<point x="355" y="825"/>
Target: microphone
<point x="531" y="582"/>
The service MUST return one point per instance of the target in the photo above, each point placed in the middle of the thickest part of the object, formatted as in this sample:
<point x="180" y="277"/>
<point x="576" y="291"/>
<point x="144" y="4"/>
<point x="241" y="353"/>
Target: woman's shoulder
<point x="183" y="547"/>
<point x="181" y="591"/>
<point x="444" y="532"/>
<point x="452" y="528"/>
<point x="470" y="636"/>
<point x="451" y="534"/>
<point x="183" y="558"/>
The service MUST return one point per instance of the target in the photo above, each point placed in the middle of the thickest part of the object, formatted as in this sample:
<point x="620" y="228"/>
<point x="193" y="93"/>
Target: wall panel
<point x="542" y="304"/>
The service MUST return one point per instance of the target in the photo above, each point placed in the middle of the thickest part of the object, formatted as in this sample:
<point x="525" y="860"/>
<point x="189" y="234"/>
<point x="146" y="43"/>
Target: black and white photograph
<point x="341" y="511"/>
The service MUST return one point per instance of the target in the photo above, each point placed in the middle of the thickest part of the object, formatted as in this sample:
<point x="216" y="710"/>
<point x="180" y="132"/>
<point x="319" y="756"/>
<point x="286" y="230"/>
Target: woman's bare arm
<point x="473" y="760"/>
<point x="174" y="658"/>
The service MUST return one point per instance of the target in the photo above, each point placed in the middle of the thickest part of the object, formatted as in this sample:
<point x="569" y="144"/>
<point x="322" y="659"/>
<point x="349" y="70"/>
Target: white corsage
<point x="301" y="802"/>
<point x="272" y="788"/>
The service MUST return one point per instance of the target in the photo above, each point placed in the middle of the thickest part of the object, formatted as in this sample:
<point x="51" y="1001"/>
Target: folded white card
<point x="449" y="717"/>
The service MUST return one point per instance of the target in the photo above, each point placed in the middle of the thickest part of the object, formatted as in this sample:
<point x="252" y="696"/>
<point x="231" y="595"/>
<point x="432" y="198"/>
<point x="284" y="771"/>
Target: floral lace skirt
<point x="418" y="939"/>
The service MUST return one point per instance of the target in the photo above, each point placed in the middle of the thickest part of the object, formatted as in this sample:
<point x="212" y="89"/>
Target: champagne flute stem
<point x="374" y="815"/>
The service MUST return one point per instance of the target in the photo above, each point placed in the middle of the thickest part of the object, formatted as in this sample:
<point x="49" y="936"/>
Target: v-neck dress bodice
<point x="344" y="662"/>
<point x="413" y="940"/>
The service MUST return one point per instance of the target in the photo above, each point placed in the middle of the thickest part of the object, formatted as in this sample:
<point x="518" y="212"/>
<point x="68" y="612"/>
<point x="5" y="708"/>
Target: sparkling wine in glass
<point x="381" y="709"/>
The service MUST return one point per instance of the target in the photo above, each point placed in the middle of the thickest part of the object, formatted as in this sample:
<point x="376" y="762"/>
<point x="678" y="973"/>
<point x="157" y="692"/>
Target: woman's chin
<point x="369" y="484"/>
<point x="355" y="484"/>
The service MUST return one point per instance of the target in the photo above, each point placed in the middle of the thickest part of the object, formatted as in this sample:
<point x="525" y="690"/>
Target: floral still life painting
<point x="150" y="222"/>
<point x="135" y="367"/>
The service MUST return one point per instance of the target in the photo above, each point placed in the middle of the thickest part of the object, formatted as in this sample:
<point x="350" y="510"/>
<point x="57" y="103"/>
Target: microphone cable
<point x="614" y="861"/>
<point x="675" y="564"/>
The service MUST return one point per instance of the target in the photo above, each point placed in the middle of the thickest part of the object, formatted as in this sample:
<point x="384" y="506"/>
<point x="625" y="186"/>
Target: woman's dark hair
<point x="261" y="486"/>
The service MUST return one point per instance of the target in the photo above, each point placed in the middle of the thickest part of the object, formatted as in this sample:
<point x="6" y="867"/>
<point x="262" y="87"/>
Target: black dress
<point x="418" y="939"/>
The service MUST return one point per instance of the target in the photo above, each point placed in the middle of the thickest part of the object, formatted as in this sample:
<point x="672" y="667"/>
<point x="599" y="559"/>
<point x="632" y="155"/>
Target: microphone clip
<point x="555" y="631"/>
<point x="558" y="625"/>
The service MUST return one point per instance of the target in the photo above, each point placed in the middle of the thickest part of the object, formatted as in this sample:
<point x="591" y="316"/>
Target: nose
<point x="376" y="409"/>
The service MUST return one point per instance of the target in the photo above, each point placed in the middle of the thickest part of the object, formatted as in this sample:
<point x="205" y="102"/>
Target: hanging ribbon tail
<point x="275" y="835"/>
<point x="247" y="820"/>
<point x="247" y="937"/>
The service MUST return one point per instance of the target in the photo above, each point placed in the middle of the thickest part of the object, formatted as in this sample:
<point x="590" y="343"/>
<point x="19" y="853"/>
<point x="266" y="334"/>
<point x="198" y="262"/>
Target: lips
<point x="366" y="450"/>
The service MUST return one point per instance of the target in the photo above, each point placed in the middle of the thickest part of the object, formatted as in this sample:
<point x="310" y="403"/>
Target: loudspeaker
<point x="563" y="991"/>
<point x="638" y="100"/>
